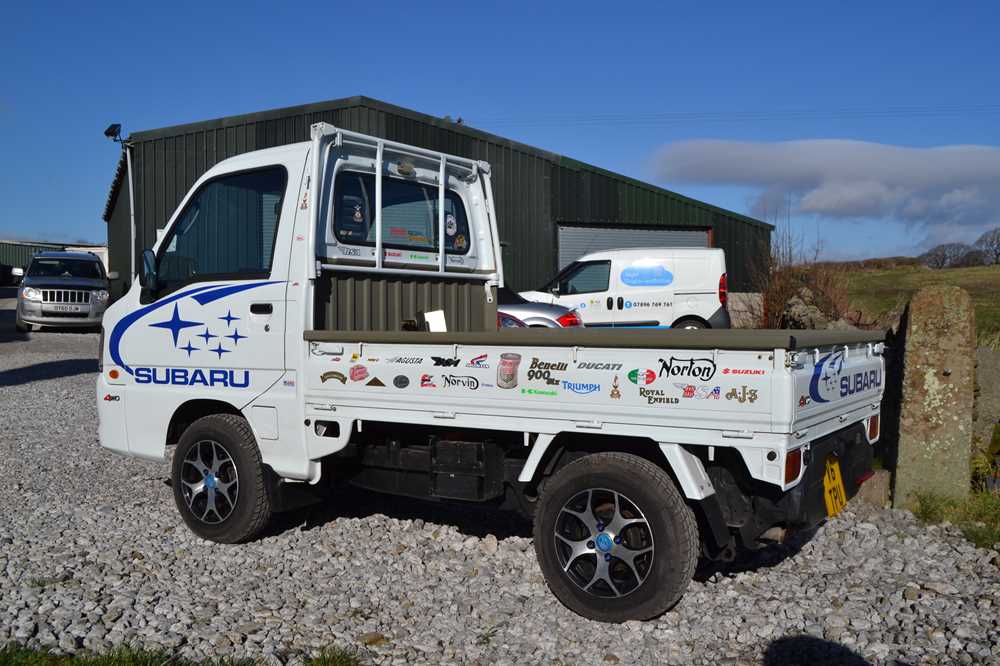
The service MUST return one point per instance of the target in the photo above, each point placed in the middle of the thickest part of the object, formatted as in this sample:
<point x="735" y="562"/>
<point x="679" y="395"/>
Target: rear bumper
<point x="751" y="507"/>
<point x="720" y="319"/>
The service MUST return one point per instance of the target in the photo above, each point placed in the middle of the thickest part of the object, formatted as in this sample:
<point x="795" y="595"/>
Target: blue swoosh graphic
<point x="206" y="294"/>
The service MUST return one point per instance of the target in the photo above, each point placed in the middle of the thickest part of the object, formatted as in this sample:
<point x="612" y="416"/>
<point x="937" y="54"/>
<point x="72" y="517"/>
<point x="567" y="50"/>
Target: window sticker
<point x="450" y="225"/>
<point x="460" y="242"/>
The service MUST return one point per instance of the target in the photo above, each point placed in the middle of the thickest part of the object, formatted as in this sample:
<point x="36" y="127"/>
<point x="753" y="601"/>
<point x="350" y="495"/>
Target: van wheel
<point x="689" y="325"/>
<point x="219" y="482"/>
<point x="614" y="538"/>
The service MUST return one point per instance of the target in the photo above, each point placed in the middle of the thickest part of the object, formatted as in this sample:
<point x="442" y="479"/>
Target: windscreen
<point x="73" y="268"/>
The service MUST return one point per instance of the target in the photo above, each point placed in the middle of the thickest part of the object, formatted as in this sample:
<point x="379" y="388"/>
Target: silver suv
<point x="64" y="289"/>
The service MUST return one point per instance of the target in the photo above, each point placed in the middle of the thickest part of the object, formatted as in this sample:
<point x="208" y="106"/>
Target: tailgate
<point x="833" y="381"/>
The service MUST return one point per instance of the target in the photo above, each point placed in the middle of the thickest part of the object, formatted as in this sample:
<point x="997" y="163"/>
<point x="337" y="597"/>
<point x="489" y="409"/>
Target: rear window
<point x="71" y="268"/>
<point x="409" y="214"/>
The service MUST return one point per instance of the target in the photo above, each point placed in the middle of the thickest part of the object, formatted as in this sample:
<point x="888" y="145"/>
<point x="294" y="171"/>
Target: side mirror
<point x="147" y="278"/>
<point x="17" y="272"/>
<point x="112" y="275"/>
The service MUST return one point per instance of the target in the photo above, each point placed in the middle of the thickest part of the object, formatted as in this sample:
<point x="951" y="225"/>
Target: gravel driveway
<point x="93" y="554"/>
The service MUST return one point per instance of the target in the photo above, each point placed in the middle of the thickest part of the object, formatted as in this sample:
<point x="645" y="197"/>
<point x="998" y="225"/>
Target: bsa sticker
<point x="333" y="374"/>
<point x="545" y="392"/>
<point x="406" y="360"/>
<point x="445" y="362"/>
<point x="742" y="395"/>
<point x="375" y="381"/>
<point x="461" y="381"/>
<point x="699" y="392"/>
<point x="427" y="381"/>
<point x="744" y="371"/>
<point x="581" y="388"/>
<point x="657" y="397"/>
<point x="702" y="369"/>
<point x="616" y="393"/>
<point x="638" y="376"/>
<point x="598" y="366"/>
<point x="478" y="362"/>
<point x="358" y="373"/>
<point x="542" y="370"/>
<point x="401" y="381"/>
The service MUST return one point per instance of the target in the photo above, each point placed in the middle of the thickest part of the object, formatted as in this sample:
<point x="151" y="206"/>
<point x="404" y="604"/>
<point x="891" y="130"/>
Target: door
<point x="647" y="287"/>
<point x="216" y="318"/>
<point x="585" y="286"/>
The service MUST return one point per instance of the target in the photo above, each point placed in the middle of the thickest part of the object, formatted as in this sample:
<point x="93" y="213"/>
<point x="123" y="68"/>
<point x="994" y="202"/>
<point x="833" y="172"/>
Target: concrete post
<point x="935" y="424"/>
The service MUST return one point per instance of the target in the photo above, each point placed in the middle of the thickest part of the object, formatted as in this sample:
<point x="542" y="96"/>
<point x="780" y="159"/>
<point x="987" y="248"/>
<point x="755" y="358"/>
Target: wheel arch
<point x="192" y="410"/>
<point x="689" y="317"/>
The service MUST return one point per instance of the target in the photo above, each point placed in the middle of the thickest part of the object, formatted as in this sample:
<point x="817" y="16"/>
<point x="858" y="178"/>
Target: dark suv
<point x="64" y="289"/>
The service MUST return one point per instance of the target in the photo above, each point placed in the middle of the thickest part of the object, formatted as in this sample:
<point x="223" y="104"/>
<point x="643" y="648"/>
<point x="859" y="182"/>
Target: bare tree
<point x="943" y="256"/>
<point x="989" y="243"/>
<point x="973" y="257"/>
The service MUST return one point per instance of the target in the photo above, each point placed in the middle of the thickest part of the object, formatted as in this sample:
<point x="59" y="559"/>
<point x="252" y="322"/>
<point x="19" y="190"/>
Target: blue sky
<point x="698" y="100"/>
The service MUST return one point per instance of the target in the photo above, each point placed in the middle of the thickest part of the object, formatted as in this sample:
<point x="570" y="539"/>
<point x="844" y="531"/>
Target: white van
<point x="657" y="287"/>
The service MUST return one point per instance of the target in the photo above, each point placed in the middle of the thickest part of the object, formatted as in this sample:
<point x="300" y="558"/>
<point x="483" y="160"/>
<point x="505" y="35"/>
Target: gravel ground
<point x="93" y="554"/>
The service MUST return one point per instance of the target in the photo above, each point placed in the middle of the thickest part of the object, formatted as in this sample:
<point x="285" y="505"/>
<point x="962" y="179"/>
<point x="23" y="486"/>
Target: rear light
<point x="873" y="428"/>
<point x="723" y="290"/>
<point x="793" y="465"/>
<point x="571" y="318"/>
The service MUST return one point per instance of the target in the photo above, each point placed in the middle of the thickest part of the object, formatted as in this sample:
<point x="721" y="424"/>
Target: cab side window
<point x="585" y="278"/>
<point x="226" y="231"/>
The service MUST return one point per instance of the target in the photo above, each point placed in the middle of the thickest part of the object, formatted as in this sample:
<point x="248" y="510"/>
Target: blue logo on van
<point x="647" y="276"/>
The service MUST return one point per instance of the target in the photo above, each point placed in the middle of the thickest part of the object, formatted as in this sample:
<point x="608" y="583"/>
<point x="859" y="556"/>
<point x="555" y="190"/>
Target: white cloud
<point x="950" y="192"/>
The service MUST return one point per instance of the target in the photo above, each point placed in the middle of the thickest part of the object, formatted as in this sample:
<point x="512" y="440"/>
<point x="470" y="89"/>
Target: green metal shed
<point x="545" y="202"/>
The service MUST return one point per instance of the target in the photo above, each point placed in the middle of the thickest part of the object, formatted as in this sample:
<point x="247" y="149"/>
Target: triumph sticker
<point x="702" y="369"/>
<point x="542" y="370"/>
<point x="461" y="381"/>
<point x="639" y="376"/>
<point x="333" y="374"/>
<point x="581" y="388"/>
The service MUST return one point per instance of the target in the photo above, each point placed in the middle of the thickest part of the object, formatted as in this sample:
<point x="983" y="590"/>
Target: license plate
<point x="66" y="308"/>
<point x="833" y="488"/>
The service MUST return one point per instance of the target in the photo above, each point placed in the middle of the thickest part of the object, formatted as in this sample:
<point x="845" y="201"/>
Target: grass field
<point x="13" y="655"/>
<point x="879" y="292"/>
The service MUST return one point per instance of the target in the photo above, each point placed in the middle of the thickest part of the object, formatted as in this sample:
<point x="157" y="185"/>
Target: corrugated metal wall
<point x="18" y="255"/>
<point x="534" y="190"/>
<point x="574" y="242"/>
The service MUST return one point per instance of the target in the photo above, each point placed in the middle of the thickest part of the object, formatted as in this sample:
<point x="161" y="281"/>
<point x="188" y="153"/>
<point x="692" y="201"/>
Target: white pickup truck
<point x="276" y="341"/>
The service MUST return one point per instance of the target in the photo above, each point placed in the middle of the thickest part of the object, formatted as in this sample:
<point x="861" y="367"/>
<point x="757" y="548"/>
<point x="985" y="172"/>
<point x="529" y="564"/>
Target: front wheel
<point x="614" y="538"/>
<point x="220" y="485"/>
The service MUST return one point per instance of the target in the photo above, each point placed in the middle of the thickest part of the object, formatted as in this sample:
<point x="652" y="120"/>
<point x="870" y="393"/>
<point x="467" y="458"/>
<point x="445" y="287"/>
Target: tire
<point x="690" y="325"/>
<point x="217" y="451"/>
<point x="657" y="578"/>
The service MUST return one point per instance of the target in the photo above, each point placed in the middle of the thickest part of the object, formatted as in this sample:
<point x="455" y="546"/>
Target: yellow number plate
<point x="833" y="488"/>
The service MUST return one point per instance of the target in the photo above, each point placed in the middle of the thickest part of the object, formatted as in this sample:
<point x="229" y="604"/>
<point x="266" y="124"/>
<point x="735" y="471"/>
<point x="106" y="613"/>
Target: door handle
<point x="261" y="308"/>
<point x="611" y="303"/>
<point x="621" y="302"/>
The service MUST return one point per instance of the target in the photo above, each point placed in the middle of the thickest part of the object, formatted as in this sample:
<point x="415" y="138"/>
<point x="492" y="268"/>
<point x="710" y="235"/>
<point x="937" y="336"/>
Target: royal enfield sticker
<point x="333" y="374"/>
<point x="657" y="397"/>
<point x="702" y="369"/>
<point x="742" y="395"/>
<point x="401" y="381"/>
<point x="507" y="370"/>
<point x="639" y="376"/>
<point x="358" y="373"/>
<point x="460" y="381"/>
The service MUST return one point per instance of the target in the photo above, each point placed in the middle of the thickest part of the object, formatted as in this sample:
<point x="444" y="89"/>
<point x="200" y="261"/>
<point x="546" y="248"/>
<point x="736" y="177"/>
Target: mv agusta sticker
<point x="197" y="327"/>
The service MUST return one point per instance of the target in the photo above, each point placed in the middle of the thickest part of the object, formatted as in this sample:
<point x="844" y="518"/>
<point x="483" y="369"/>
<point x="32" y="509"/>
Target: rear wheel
<point x="689" y="325"/>
<point x="220" y="485"/>
<point x="614" y="538"/>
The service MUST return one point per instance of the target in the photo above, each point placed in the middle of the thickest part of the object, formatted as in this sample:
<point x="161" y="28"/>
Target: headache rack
<point x="325" y="137"/>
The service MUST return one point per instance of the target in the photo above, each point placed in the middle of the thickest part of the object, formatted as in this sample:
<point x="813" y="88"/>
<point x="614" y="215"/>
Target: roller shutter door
<point x="574" y="242"/>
